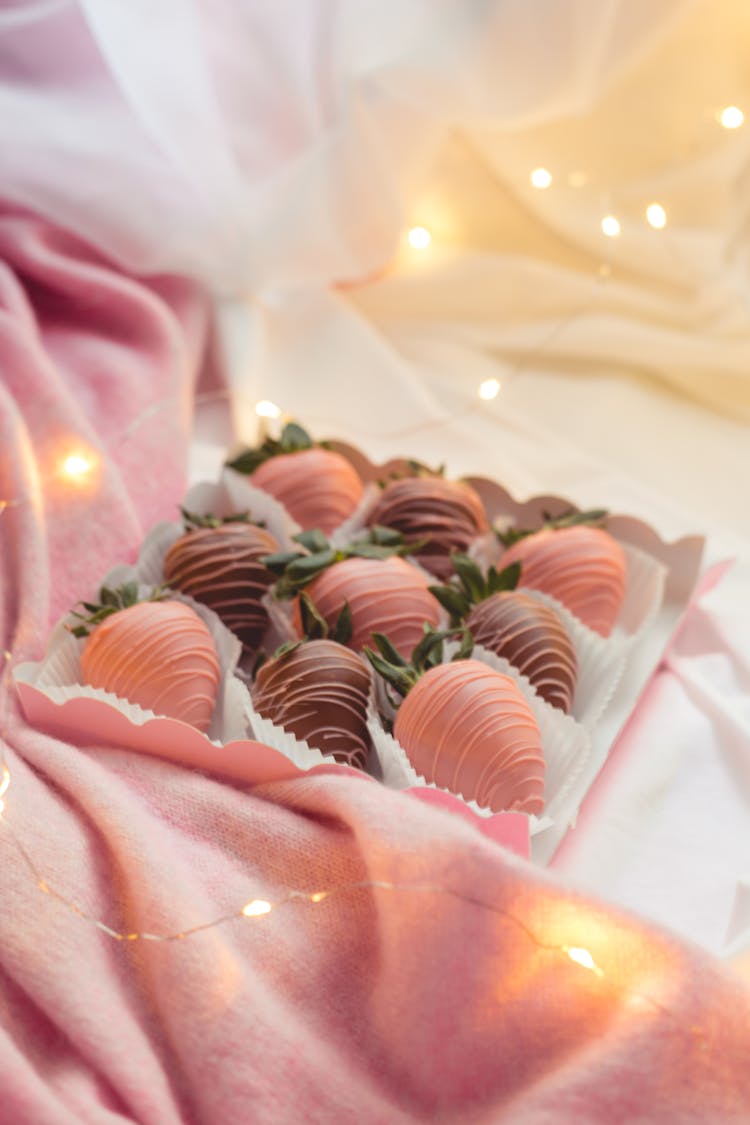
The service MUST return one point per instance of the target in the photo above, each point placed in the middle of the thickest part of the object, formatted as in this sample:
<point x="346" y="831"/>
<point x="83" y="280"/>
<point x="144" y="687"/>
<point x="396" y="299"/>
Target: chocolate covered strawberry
<point x="443" y="515"/>
<point x="465" y="727"/>
<point x="317" y="486"/>
<point x="584" y="567"/>
<point x="317" y="689"/>
<point x="158" y="654"/>
<point x="218" y="562"/>
<point x="384" y="592"/>
<point x="529" y="635"/>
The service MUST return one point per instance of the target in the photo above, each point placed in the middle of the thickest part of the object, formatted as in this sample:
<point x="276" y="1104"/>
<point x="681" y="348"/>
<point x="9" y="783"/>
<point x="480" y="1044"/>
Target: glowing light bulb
<point x="656" y="216"/>
<point x="420" y="238"/>
<point x="318" y="896"/>
<point x="266" y="409"/>
<point x="76" y="467"/>
<point x="541" y="178"/>
<point x="731" y="117"/>
<point x="257" y="906"/>
<point x="610" y="226"/>
<point x="582" y="957"/>
<point x="490" y="388"/>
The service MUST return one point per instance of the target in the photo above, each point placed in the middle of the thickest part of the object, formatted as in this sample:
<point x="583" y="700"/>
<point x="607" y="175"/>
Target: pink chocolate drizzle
<point x="319" y="488"/>
<point x="531" y="637"/>
<point x="159" y="655"/>
<point x="385" y="596"/>
<point x="468" y="729"/>
<point x="583" y="567"/>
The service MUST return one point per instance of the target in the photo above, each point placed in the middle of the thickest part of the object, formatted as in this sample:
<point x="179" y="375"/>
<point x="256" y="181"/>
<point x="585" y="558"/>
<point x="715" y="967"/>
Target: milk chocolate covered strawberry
<point x="444" y="515"/>
<point x="584" y="567"/>
<point x="317" y="486"/>
<point x="158" y="654"/>
<point x="466" y="728"/>
<point x="317" y="689"/>
<point x="218" y="562"/>
<point x="529" y="635"/>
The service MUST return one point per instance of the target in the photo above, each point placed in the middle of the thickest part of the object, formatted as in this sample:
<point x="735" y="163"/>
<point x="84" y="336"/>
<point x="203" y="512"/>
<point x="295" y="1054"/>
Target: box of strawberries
<point x="313" y="611"/>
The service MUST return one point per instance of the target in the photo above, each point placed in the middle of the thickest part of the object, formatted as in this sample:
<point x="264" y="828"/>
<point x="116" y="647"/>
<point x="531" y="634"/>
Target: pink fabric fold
<point x="451" y="993"/>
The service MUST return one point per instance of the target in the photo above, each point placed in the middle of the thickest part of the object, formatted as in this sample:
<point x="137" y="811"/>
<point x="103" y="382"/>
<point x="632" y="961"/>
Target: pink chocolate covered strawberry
<point x="383" y="591"/>
<point x="318" y="487"/>
<point x="584" y="567"/>
<point x="513" y="625"/>
<point x="317" y="689"/>
<point x="218" y="562"/>
<point x="441" y="515"/>
<point x="466" y="728"/>
<point x="158" y="654"/>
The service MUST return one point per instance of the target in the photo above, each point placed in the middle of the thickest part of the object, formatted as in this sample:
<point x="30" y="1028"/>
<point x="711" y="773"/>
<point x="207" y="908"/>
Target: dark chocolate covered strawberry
<point x="157" y="653"/>
<point x="465" y="727"/>
<point x="443" y="515"/>
<point x="317" y="486"/>
<point x="529" y="635"/>
<point x="317" y="689"/>
<point x="218" y="562"/>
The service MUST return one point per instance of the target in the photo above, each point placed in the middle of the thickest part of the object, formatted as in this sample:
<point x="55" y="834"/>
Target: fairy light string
<point x="255" y="909"/>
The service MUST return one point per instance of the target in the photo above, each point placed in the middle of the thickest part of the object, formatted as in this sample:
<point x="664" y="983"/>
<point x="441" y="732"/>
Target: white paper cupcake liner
<point x="60" y="672"/>
<point x="601" y="662"/>
<point x="644" y="592"/>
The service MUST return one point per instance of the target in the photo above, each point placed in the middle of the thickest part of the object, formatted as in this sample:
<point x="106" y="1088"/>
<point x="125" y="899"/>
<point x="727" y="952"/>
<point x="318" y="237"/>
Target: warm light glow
<point x="610" y="226"/>
<point x="490" y="388"/>
<point x="541" y="178"/>
<point x="731" y="117"/>
<point x="266" y="409"/>
<point x="257" y="906"/>
<point x="2" y="806"/>
<point x="76" y="467"/>
<point x="656" y="215"/>
<point x="5" y="782"/>
<point x="420" y="238"/>
<point x="318" y="896"/>
<point x="582" y="957"/>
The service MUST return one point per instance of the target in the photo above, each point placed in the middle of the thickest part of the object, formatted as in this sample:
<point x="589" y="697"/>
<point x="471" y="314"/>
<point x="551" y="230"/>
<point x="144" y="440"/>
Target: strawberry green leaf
<point x="398" y="678"/>
<point x="466" y="647"/>
<point x="507" y="579"/>
<point x="470" y="577"/>
<point x="314" y="626"/>
<point x="391" y="654"/>
<point x="294" y="438"/>
<point x="342" y="630"/>
<point x="312" y="541"/>
<point x="452" y="599"/>
<point x="279" y="562"/>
